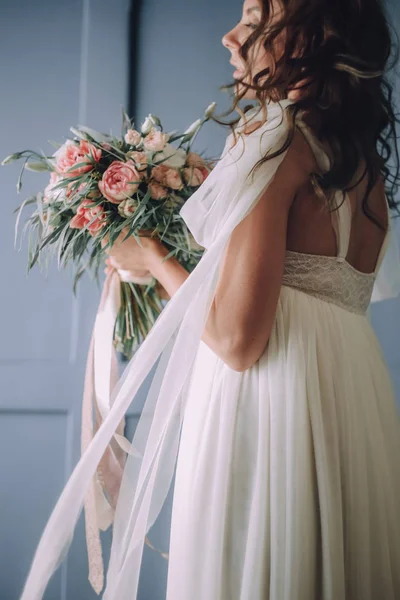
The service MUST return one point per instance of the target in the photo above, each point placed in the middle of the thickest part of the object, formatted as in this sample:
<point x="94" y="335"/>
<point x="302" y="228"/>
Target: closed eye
<point x="250" y="25"/>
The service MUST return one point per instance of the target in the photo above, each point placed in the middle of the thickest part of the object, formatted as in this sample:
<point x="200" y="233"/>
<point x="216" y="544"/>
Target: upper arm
<point x="249" y="285"/>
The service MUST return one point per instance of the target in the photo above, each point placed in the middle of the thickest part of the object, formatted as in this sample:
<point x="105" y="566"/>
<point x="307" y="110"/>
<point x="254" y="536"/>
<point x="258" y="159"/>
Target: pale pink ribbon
<point x="100" y="379"/>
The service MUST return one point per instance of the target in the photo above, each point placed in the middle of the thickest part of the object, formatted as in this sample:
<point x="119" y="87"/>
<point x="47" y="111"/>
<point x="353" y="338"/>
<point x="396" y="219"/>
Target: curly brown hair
<point x="339" y="54"/>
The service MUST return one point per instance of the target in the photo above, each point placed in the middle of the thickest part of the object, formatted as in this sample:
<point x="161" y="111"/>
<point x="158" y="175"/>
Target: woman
<point x="286" y="488"/>
<point x="287" y="481"/>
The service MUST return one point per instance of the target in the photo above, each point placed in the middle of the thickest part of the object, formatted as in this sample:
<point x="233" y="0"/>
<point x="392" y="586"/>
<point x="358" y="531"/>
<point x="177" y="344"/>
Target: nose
<point x="230" y="41"/>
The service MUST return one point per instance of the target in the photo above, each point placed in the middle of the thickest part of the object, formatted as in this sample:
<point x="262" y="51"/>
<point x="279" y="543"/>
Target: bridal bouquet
<point x="104" y="187"/>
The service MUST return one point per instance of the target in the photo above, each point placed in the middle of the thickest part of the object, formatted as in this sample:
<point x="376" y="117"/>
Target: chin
<point x="249" y="94"/>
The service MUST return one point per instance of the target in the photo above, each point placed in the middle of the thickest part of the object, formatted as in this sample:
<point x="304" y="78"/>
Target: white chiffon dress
<point x="287" y="482"/>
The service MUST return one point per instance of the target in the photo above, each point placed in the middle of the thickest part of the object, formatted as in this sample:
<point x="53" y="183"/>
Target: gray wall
<point x="61" y="64"/>
<point x="179" y="75"/>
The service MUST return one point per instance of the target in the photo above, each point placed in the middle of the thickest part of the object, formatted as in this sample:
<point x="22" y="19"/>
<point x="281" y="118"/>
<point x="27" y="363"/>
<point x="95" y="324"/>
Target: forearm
<point x="171" y="274"/>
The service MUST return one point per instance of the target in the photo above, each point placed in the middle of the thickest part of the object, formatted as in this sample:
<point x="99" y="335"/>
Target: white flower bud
<point x="147" y="125"/>
<point x="11" y="158"/>
<point x="127" y="207"/>
<point x="156" y="121"/>
<point x="193" y="127"/>
<point x="209" y="110"/>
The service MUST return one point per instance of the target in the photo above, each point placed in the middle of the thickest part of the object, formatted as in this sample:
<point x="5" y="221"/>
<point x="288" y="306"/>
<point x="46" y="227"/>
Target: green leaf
<point x="19" y="182"/>
<point x="126" y="122"/>
<point x="80" y="134"/>
<point x="94" y="136"/>
<point x="30" y="200"/>
<point x="77" y="277"/>
<point x="77" y="166"/>
<point x="55" y="144"/>
<point x="61" y="248"/>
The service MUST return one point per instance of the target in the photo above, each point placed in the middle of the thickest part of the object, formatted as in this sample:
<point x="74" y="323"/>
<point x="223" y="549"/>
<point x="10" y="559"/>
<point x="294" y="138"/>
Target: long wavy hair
<point x="339" y="53"/>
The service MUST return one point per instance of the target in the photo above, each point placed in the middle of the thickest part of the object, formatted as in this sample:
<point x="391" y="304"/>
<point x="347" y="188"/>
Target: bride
<point x="271" y="396"/>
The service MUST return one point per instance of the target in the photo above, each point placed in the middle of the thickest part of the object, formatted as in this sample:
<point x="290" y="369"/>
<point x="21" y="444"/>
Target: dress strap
<point x="341" y="217"/>
<point x="341" y="221"/>
<point x="386" y="240"/>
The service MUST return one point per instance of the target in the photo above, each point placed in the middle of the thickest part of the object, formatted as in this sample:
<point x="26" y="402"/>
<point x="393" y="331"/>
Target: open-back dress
<point x="287" y="483"/>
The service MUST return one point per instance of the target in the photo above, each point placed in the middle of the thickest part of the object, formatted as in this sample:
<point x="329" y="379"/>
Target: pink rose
<point x="119" y="181"/>
<point x="193" y="176"/>
<point x="195" y="160"/>
<point x="139" y="158"/>
<point x="71" y="154"/>
<point x="155" y="140"/>
<point x="86" y="212"/>
<point x="132" y="137"/>
<point x="79" y="220"/>
<point x="157" y="191"/>
<point x="97" y="213"/>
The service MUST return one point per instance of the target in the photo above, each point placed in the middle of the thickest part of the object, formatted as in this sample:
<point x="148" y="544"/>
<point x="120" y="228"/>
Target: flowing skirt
<point x="288" y="476"/>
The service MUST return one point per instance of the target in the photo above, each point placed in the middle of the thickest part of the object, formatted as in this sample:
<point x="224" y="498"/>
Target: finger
<point x="103" y="243"/>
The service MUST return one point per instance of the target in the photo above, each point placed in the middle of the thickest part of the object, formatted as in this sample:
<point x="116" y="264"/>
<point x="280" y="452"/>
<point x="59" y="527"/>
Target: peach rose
<point x="119" y="181"/>
<point x="155" y="140"/>
<point x="193" y="176"/>
<point x="157" y="191"/>
<point x="71" y="154"/>
<point x="132" y="137"/>
<point x="159" y="172"/>
<point x="195" y="160"/>
<point x="86" y="212"/>
<point x="173" y="179"/>
<point x="168" y="177"/>
<point x="139" y="158"/>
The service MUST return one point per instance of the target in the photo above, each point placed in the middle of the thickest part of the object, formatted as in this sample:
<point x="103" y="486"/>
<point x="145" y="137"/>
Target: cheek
<point x="261" y="59"/>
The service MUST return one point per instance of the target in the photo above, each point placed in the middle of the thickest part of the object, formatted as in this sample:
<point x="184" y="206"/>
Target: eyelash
<point x="251" y="25"/>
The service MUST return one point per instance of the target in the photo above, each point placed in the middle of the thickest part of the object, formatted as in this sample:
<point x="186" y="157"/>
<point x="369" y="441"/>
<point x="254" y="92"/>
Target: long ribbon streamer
<point x="100" y="379"/>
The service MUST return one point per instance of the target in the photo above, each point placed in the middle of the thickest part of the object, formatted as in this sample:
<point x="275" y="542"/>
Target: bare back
<point x="310" y="228"/>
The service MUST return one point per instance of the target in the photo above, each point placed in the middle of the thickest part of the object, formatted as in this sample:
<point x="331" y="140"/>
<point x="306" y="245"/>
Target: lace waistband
<point x="329" y="278"/>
